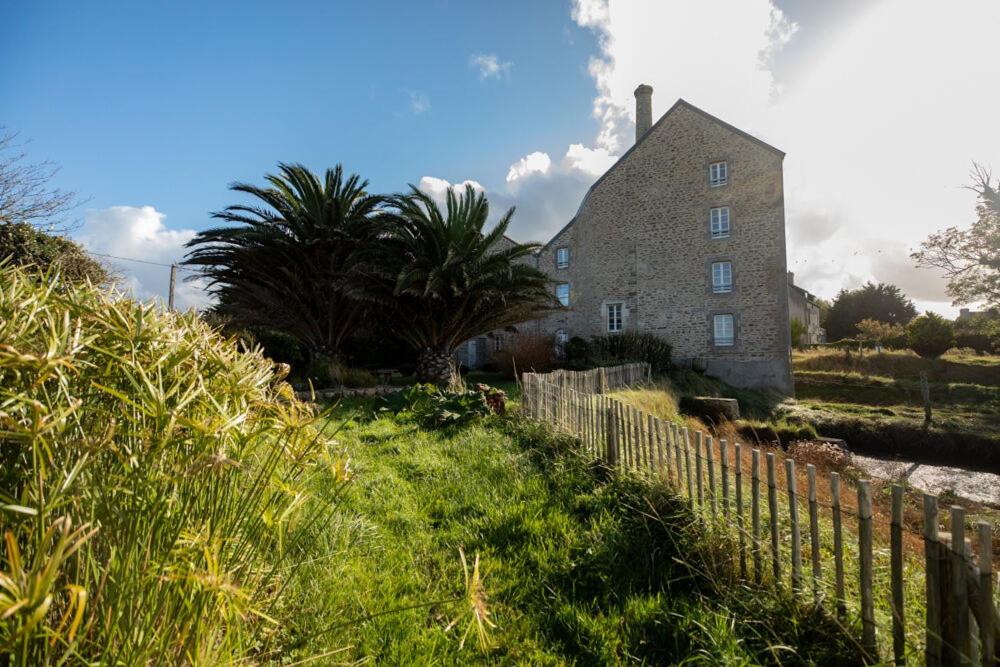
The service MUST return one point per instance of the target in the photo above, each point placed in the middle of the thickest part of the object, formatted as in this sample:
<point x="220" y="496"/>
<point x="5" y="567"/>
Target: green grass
<point x="874" y="403"/>
<point x="579" y="567"/>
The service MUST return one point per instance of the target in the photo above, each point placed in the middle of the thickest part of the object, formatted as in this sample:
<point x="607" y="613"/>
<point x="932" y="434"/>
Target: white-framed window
<point x="722" y="277"/>
<point x="718" y="221"/>
<point x="562" y="258"/>
<point x="723" y="329"/>
<point x="718" y="174"/>
<point x="562" y="337"/>
<point x="614" y="317"/>
<point x="562" y="293"/>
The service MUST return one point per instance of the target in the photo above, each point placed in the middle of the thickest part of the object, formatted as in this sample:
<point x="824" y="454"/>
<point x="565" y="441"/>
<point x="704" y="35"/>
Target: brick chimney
<point x="643" y="110"/>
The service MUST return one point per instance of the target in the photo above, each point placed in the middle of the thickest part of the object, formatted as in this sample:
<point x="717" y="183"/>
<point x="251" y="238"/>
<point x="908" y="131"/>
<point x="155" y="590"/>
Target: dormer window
<point x="718" y="174"/>
<point x="562" y="258"/>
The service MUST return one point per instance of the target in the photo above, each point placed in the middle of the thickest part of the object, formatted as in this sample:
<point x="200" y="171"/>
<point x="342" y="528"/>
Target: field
<point x="874" y="403"/>
<point x="576" y="566"/>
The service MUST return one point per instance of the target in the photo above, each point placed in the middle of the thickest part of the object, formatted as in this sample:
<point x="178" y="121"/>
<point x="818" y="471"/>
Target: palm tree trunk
<point x="436" y="366"/>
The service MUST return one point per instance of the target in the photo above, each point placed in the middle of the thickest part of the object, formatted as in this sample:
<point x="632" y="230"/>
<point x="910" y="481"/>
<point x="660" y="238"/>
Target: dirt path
<point x="980" y="487"/>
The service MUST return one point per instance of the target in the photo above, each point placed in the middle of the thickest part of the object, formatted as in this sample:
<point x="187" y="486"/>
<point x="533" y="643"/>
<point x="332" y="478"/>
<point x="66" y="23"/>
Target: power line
<point x="140" y="261"/>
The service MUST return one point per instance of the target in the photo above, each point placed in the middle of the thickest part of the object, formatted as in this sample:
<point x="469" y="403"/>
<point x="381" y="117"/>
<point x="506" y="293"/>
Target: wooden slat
<point x="959" y="586"/>
<point x="698" y="437"/>
<point x="724" y="468"/>
<point x="838" y="545"/>
<point x="987" y="615"/>
<point x="687" y="464"/>
<point x="896" y="576"/>
<point x="817" y="571"/>
<point x="793" y="520"/>
<point x="772" y="505"/>
<point x="932" y="567"/>
<point x="710" y="459"/>
<point x="866" y="570"/>
<point x="740" y="522"/>
<point x="758" y="564"/>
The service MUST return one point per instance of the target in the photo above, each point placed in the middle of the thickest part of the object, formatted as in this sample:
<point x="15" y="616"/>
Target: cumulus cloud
<point x="138" y="233"/>
<point x="437" y="188"/>
<point x="489" y="66"/>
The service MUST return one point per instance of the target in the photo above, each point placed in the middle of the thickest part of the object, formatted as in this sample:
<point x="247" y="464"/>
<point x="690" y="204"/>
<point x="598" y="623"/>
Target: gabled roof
<point x="680" y="103"/>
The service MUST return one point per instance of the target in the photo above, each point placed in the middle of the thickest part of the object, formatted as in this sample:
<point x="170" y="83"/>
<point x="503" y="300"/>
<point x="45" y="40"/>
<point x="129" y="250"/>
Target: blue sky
<point x="164" y="104"/>
<point x="153" y="108"/>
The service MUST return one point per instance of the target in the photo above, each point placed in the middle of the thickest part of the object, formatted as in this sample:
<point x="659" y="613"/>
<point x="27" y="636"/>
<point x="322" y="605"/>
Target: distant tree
<point x="23" y="244"/>
<point x="25" y="192"/>
<point x="882" y="302"/>
<point x="970" y="258"/>
<point x="446" y="280"/>
<point x="930" y="335"/>
<point x="286" y="263"/>
<point x="879" y="332"/>
<point x="798" y="331"/>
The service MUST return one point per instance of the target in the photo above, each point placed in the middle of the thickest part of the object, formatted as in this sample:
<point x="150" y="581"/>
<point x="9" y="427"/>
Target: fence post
<point x="758" y="565"/>
<point x="793" y="519"/>
<point x="724" y="469"/>
<point x="838" y="545"/>
<point x="611" y="434"/>
<point x="772" y="505"/>
<point x="687" y="463"/>
<point x="676" y="431"/>
<point x="740" y="523"/>
<point x="655" y="445"/>
<point x="959" y="588"/>
<point x="698" y="438"/>
<point x="896" y="567"/>
<point x="987" y="639"/>
<point x="868" y="641"/>
<point x="817" y="572"/>
<point x="932" y="566"/>
<point x="710" y="456"/>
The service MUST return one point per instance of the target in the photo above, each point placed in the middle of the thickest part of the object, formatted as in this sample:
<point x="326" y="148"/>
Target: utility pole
<point x="173" y="282"/>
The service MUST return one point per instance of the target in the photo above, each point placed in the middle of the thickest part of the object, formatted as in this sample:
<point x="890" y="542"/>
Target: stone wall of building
<point x="642" y="238"/>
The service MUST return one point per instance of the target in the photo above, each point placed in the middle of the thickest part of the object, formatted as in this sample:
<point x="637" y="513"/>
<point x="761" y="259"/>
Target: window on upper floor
<point x="718" y="221"/>
<point x="497" y="343"/>
<point x="562" y="293"/>
<point x="718" y="174"/>
<point x="722" y="277"/>
<point x="723" y="330"/>
<point x="615" y="317"/>
<point x="562" y="258"/>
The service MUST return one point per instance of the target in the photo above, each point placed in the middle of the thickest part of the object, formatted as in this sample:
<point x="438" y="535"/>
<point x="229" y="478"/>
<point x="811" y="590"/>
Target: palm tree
<point x="445" y="281"/>
<point x="287" y="261"/>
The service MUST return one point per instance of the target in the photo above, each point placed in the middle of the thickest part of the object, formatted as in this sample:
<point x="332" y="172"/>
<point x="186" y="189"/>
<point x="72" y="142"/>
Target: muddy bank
<point x="979" y="487"/>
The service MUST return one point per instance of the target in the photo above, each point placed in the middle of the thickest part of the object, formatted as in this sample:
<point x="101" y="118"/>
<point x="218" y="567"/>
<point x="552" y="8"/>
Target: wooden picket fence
<point x="958" y="617"/>
<point x="598" y="380"/>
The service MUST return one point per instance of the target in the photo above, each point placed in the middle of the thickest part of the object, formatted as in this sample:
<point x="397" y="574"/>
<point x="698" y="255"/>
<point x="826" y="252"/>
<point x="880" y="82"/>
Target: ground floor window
<point x="562" y="293"/>
<point x="614" y="317"/>
<point x="497" y="343"/>
<point x="724" y="333"/>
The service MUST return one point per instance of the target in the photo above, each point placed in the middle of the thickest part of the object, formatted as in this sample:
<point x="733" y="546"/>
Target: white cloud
<point x="419" y="102"/>
<point x="138" y="233"/>
<point x="438" y="188"/>
<point x="534" y="163"/>
<point x="490" y="66"/>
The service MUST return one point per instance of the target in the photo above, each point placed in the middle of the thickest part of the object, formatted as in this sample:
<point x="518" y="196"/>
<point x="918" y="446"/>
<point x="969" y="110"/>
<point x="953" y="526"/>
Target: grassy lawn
<point x="578" y="567"/>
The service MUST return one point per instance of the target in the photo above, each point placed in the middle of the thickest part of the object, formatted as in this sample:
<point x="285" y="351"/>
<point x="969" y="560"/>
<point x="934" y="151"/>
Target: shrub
<point x="629" y="347"/>
<point x="326" y="372"/>
<point x="434" y="407"/>
<point x="153" y="484"/>
<point x="930" y="335"/>
<point x="526" y="352"/>
<point x="798" y="332"/>
<point x="980" y="342"/>
<point x="22" y="244"/>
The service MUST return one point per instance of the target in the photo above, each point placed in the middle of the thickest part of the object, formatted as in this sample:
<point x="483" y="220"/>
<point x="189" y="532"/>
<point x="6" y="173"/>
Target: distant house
<point x="683" y="237"/>
<point x="803" y="306"/>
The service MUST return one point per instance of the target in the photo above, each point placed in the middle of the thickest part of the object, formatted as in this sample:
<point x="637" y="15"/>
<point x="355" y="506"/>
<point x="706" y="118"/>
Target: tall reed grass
<point x="153" y="483"/>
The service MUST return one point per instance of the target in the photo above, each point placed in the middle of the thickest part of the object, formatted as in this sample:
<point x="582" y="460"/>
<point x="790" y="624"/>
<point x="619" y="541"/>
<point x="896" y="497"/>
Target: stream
<point x="980" y="487"/>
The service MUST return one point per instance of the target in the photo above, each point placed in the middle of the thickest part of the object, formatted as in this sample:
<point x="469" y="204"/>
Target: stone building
<point x="804" y="307"/>
<point x="683" y="237"/>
